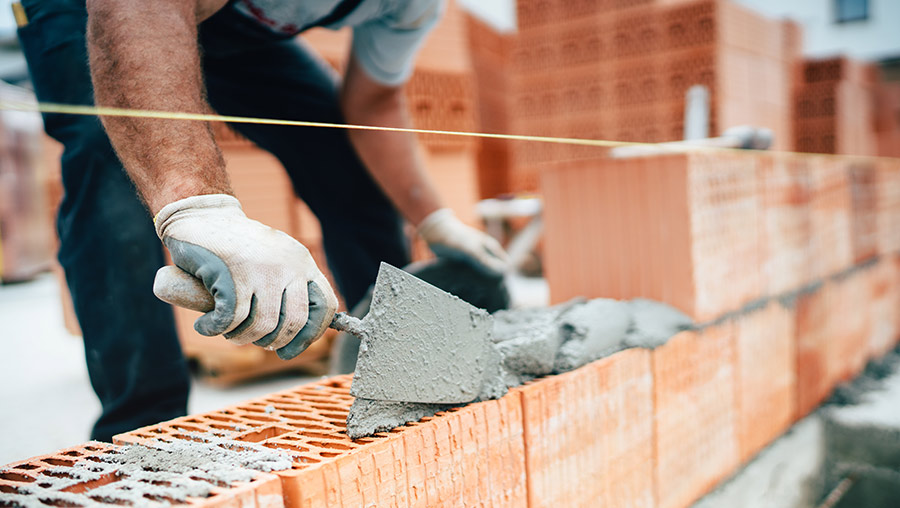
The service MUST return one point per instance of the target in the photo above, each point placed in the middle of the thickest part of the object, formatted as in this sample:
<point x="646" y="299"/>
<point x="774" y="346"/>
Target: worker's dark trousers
<point x="108" y="247"/>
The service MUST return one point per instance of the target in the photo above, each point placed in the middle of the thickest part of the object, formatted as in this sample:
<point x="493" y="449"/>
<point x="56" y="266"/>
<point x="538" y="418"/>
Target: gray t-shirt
<point x="386" y="33"/>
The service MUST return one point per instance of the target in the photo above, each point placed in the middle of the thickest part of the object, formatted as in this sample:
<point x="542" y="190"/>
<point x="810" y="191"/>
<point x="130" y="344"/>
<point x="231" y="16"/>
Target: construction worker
<point x="237" y="58"/>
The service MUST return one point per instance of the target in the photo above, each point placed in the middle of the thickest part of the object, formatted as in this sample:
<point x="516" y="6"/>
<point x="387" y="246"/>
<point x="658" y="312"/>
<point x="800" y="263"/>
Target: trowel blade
<point x="422" y="344"/>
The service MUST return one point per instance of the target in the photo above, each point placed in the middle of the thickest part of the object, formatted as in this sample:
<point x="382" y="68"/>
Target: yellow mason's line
<point x="71" y="109"/>
<point x="49" y="107"/>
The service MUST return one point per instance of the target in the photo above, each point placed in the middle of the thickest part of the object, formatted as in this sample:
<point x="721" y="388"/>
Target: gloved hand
<point x="448" y="237"/>
<point x="266" y="286"/>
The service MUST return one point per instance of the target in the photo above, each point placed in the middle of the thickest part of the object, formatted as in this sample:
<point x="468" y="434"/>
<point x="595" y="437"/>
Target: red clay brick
<point x="695" y="425"/>
<point x="420" y="464"/>
<point x="695" y="215"/>
<point x="589" y="434"/>
<point x="813" y="335"/>
<point x="785" y="227"/>
<point x="264" y="491"/>
<point x="884" y="285"/>
<point x="764" y="376"/>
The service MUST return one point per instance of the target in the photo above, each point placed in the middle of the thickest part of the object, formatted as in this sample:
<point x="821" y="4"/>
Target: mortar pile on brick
<point x="205" y="473"/>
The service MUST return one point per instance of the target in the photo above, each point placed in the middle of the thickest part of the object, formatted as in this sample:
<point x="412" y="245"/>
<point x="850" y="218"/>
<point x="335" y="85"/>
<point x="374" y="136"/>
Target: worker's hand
<point x="448" y="237"/>
<point x="266" y="286"/>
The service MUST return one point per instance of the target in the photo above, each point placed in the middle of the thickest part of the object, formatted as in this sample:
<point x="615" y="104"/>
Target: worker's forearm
<point x="393" y="158"/>
<point x="144" y="55"/>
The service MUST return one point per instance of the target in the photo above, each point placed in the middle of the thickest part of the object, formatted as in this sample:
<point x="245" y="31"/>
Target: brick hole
<point x="59" y="462"/>
<point x="283" y="446"/>
<point x="160" y="499"/>
<point x="330" y="445"/>
<point x="318" y="435"/>
<point x="308" y="460"/>
<point x="15" y="477"/>
<point x="8" y="489"/>
<point x="26" y="467"/>
<point x="329" y="407"/>
<point x="260" y="418"/>
<point x="58" y="502"/>
<point x="157" y="430"/>
<point x="263" y="434"/>
<point x="59" y="474"/>
<point x="193" y="420"/>
<point x="188" y="428"/>
<point x="329" y="455"/>
<point x="73" y="453"/>
<point x="211" y="481"/>
<point x="117" y="502"/>
<point x="220" y="418"/>
<point x="185" y="437"/>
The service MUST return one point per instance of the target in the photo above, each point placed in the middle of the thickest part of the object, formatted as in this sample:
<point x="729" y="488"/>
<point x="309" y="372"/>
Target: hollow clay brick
<point x="884" y="287"/>
<point x="263" y="491"/>
<point x="887" y="174"/>
<point x="694" y="215"/>
<point x="764" y="376"/>
<point x="785" y="228"/>
<point x="813" y="334"/>
<point x="468" y="456"/>
<point x="589" y="434"/>
<point x="695" y="424"/>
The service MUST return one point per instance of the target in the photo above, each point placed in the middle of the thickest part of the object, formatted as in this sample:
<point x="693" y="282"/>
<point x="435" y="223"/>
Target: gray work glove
<point x="448" y="237"/>
<point x="265" y="284"/>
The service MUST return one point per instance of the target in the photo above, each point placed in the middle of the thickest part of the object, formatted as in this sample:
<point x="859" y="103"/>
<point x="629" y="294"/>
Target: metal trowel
<point x="419" y="344"/>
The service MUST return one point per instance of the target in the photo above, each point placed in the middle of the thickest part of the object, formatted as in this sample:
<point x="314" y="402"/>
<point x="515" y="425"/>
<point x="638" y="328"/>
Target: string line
<point x="81" y="110"/>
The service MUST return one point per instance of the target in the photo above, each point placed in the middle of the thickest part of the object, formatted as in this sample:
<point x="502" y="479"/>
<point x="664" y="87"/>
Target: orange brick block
<point x="589" y="434"/>
<point x="468" y="456"/>
<point x="72" y="477"/>
<point x="813" y="335"/>
<point x="764" y="376"/>
<point x="695" y="425"/>
<point x="830" y="213"/>
<point x="887" y="188"/>
<point x="849" y="309"/>
<point x="670" y="228"/>
<point x="785" y="228"/>
<point x="884" y="287"/>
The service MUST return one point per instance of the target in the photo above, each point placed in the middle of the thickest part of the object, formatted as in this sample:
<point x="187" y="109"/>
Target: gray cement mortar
<point x="156" y="474"/>
<point x="530" y="343"/>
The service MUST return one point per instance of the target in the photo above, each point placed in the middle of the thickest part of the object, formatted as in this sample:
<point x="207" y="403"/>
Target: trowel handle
<point x="176" y="286"/>
<point x="344" y="322"/>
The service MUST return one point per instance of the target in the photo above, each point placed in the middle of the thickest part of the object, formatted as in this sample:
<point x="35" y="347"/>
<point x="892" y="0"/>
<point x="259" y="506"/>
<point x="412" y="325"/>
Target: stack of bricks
<point x="620" y="71"/>
<point x="887" y="119"/>
<point x="26" y="233"/>
<point x="791" y="259"/>
<point x="674" y="227"/>
<point x="834" y="107"/>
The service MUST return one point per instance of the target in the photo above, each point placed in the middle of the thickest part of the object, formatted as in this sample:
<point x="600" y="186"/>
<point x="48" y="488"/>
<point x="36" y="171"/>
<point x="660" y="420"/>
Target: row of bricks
<point x="674" y="227"/>
<point x="639" y="428"/>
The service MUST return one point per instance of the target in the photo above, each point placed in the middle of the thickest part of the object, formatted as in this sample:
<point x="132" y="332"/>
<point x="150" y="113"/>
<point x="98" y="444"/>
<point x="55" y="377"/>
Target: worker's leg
<point x="108" y="246"/>
<point x="251" y="76"/>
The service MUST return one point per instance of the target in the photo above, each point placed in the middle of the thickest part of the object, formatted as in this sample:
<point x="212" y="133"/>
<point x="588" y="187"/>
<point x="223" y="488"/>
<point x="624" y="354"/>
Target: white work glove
<point x="448" y="237"/>
<point x="266" y="286"/>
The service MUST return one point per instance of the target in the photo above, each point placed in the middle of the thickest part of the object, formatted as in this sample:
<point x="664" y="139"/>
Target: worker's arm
<point x="267" y="288"/>
<point x="395" y="161"/>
